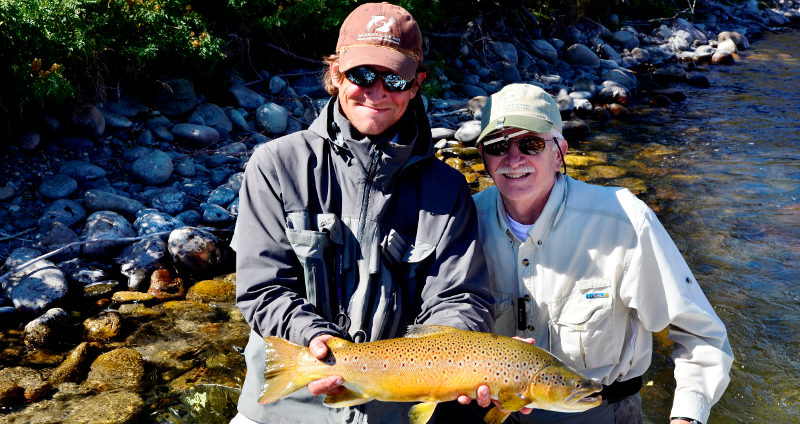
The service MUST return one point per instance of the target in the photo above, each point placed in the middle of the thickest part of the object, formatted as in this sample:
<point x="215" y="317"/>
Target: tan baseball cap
<point x="380" y="34"/>
<point x="522" y="106"/>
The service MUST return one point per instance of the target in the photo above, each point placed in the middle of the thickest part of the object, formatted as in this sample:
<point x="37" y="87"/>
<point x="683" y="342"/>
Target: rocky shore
<point x="133" y="202"/>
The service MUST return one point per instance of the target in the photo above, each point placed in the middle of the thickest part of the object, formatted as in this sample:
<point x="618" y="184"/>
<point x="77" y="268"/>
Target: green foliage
<point x="81" y="40"/>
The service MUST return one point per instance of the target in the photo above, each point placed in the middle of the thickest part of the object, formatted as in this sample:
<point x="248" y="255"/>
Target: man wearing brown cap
<point x="353" y="228"/>
<point x="588" y="272"/>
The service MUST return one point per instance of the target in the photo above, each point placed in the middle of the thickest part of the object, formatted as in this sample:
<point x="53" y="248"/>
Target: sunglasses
<point x="365" y="77"/>
<point x="529" y="145"/>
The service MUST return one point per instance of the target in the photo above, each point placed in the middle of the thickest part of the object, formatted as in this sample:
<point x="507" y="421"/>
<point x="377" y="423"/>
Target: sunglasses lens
<point x="531" y="145"/>
<point x="361" y="76"/>
<point x="394" y="83"/>
<point x="498" y="148"/>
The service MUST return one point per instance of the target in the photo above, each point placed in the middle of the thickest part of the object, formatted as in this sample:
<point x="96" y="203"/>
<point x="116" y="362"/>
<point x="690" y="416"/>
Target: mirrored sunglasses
<point x="365" y="77"/>
<point x="529" y="145"/>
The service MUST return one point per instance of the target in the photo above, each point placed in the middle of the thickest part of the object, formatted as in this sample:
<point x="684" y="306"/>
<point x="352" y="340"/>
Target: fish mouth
<point x="583" y="396"/>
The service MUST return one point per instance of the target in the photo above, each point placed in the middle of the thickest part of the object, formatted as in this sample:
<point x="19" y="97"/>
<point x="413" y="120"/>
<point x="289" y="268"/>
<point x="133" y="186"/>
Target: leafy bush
<point x="58" y="49"/>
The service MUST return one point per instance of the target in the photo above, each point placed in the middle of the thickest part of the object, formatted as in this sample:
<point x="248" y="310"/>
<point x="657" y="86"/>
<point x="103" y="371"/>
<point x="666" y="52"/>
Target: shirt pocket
<point x="582" y="325"/>
<point x="503" y="303"/>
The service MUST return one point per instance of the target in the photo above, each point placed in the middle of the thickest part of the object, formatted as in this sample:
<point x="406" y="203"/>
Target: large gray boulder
<point x="175" y="97"/>
<point x="105" y="225"/>
<point x="580" y="55"/>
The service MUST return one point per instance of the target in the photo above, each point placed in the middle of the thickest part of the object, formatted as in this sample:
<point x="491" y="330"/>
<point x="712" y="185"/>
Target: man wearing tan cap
<point x="353" y="228"/>
<point x="587" y="271"/>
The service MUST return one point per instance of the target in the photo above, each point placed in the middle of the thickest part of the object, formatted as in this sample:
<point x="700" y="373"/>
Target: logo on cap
<point x="377" y="19"/>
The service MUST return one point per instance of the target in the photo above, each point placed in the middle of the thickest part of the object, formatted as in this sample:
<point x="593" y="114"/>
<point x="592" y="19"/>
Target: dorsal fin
<point x="419" y="330"/>
<point x="337" y="343"/>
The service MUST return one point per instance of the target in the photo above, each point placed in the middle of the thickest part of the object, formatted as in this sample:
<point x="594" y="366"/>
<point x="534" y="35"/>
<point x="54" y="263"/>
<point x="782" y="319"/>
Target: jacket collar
<point x="547" y="221"/>
<point x="412" y="144"/>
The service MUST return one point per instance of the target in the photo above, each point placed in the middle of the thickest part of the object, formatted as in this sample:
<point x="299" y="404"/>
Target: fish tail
<point x="280" y="377"/>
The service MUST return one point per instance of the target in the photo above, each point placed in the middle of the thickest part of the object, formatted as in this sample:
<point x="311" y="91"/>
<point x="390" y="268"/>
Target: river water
<point x="722" y="171"/>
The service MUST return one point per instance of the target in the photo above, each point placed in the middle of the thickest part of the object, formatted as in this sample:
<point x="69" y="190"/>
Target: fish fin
<point x="336" y="343"/>
<point x="279" y="374"/>
<point x="510" y="401"/>
<point x="346" y="398"/>
<point x="496" y="416"/>
<point x="420" y="330"/>
<point x="421" y="413"/>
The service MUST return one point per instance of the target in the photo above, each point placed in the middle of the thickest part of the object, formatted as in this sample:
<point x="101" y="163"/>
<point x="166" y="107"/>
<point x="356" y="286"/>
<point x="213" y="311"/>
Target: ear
<point x="334" y="67"/>
<point x="420" y="77"/>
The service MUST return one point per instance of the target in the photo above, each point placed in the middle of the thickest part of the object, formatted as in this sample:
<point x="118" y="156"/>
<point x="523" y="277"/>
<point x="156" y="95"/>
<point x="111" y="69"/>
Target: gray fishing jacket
<point x="376" y="229"/>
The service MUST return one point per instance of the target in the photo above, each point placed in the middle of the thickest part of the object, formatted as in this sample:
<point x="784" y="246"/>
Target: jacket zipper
<point x="362" y="220"/>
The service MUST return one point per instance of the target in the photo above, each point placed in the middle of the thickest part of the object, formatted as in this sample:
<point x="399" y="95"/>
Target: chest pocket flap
<point x="582" y="325"/>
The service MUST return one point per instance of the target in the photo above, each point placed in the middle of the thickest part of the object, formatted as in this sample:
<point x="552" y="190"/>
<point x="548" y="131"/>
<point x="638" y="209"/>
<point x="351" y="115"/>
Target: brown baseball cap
<point x="380" y="34"/>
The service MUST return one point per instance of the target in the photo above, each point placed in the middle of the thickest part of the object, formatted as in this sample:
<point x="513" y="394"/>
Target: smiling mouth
<point x="516" y="176"/>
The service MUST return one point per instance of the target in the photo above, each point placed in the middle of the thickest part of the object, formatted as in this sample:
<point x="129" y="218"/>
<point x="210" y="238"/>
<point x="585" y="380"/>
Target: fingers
<point x="527" y="340"/>
<point x="526" y="410"/>
<point x="317" y="346"/>
<point x="331" y="385"/>
<point x="484" y="397"/>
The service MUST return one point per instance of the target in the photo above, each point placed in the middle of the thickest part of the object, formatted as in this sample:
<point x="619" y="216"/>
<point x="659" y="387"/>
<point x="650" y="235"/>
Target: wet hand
<point x="331" y="385"/>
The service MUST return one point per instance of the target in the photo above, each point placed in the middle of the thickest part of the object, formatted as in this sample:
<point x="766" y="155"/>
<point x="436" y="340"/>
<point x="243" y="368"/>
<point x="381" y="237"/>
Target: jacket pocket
<point x="312" y="248"/>
<point x="582" y="325"/>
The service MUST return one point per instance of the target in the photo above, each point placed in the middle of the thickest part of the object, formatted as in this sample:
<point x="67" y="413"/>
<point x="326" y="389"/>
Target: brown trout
<point x="432" y="364"/>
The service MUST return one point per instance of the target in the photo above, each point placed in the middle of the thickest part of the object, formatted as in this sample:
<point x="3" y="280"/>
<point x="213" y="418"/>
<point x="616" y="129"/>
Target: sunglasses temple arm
<point x="563" y="162"/>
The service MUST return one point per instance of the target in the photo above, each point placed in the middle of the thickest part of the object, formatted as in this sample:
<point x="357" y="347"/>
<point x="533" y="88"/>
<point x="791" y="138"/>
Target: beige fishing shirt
<point x="596" y="276"/>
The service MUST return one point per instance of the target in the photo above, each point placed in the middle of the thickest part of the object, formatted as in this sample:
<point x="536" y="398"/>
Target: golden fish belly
<point x="438" y="368"/>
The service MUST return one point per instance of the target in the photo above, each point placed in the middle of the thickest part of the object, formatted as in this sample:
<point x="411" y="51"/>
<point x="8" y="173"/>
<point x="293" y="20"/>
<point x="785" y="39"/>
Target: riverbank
<point x="136" y="196"/>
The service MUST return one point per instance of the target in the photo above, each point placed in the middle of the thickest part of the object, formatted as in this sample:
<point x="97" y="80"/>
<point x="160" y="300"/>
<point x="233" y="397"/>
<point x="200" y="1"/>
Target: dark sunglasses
<point x="529" y="145"/>
<point x="365" y="77"/>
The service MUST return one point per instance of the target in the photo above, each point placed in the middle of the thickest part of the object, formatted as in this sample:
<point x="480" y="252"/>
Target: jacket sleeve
<point x="457" y="290"/>
<point x="269" y="278"/>
<point x="665" y="294"/>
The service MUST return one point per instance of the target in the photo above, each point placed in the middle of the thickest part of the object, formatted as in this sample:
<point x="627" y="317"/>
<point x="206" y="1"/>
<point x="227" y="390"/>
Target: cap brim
<point x="529" y="123"/>
<point x="402" y="65"/>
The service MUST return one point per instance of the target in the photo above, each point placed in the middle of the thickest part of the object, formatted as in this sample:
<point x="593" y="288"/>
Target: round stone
<point x="58" y="186"/>
<point x="154" y="168"/>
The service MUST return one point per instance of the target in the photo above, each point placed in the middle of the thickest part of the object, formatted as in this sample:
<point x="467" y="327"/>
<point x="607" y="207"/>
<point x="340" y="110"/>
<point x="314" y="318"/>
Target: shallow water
<point x="722" y="171"/>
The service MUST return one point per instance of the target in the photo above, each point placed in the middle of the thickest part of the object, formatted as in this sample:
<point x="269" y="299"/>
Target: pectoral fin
<point x="421" y="413"/>
<point x="510" y="401"/>
<point x="496" y="416"/>
<point x="346" y="398"/>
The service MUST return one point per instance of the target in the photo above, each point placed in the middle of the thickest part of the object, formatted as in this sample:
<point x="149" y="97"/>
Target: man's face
<point x="372" y="110"/>
<point x="525" y="179"/>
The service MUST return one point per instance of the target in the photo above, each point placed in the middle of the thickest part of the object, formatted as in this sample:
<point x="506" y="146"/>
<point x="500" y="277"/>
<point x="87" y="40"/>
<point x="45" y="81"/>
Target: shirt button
<point x="530" y="328"/>
<point x="525" y="262"/>
<point x="539" y="242"/>
<point x="688" y="280"/>
<point x="527" y="298"/>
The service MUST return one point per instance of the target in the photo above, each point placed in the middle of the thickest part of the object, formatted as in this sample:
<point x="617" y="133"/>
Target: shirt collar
<point x="546" y="222"/>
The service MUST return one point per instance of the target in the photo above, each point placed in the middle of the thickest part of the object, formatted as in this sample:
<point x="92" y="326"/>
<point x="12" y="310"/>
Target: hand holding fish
<point x="330" y="385"/>
<point x="484" y="396"/>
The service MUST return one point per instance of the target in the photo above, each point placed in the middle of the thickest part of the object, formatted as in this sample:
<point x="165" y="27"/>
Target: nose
<point x="514" y="157"/>
<point x="376" y="91"/>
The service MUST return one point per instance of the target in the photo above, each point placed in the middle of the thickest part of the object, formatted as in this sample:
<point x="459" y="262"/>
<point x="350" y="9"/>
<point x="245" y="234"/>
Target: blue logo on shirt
<point x="596" y="295"/>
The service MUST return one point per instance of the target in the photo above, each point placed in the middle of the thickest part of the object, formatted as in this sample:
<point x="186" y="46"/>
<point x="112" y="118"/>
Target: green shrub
<point x="58" y="49"/>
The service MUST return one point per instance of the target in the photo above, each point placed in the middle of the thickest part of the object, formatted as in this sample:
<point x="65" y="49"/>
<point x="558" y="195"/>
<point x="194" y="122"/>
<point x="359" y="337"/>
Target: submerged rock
<point x="75" y="367"/>
<point x="117" y="407"/>
<point x="119" y="369"/>
<point x="104" y="327"/>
